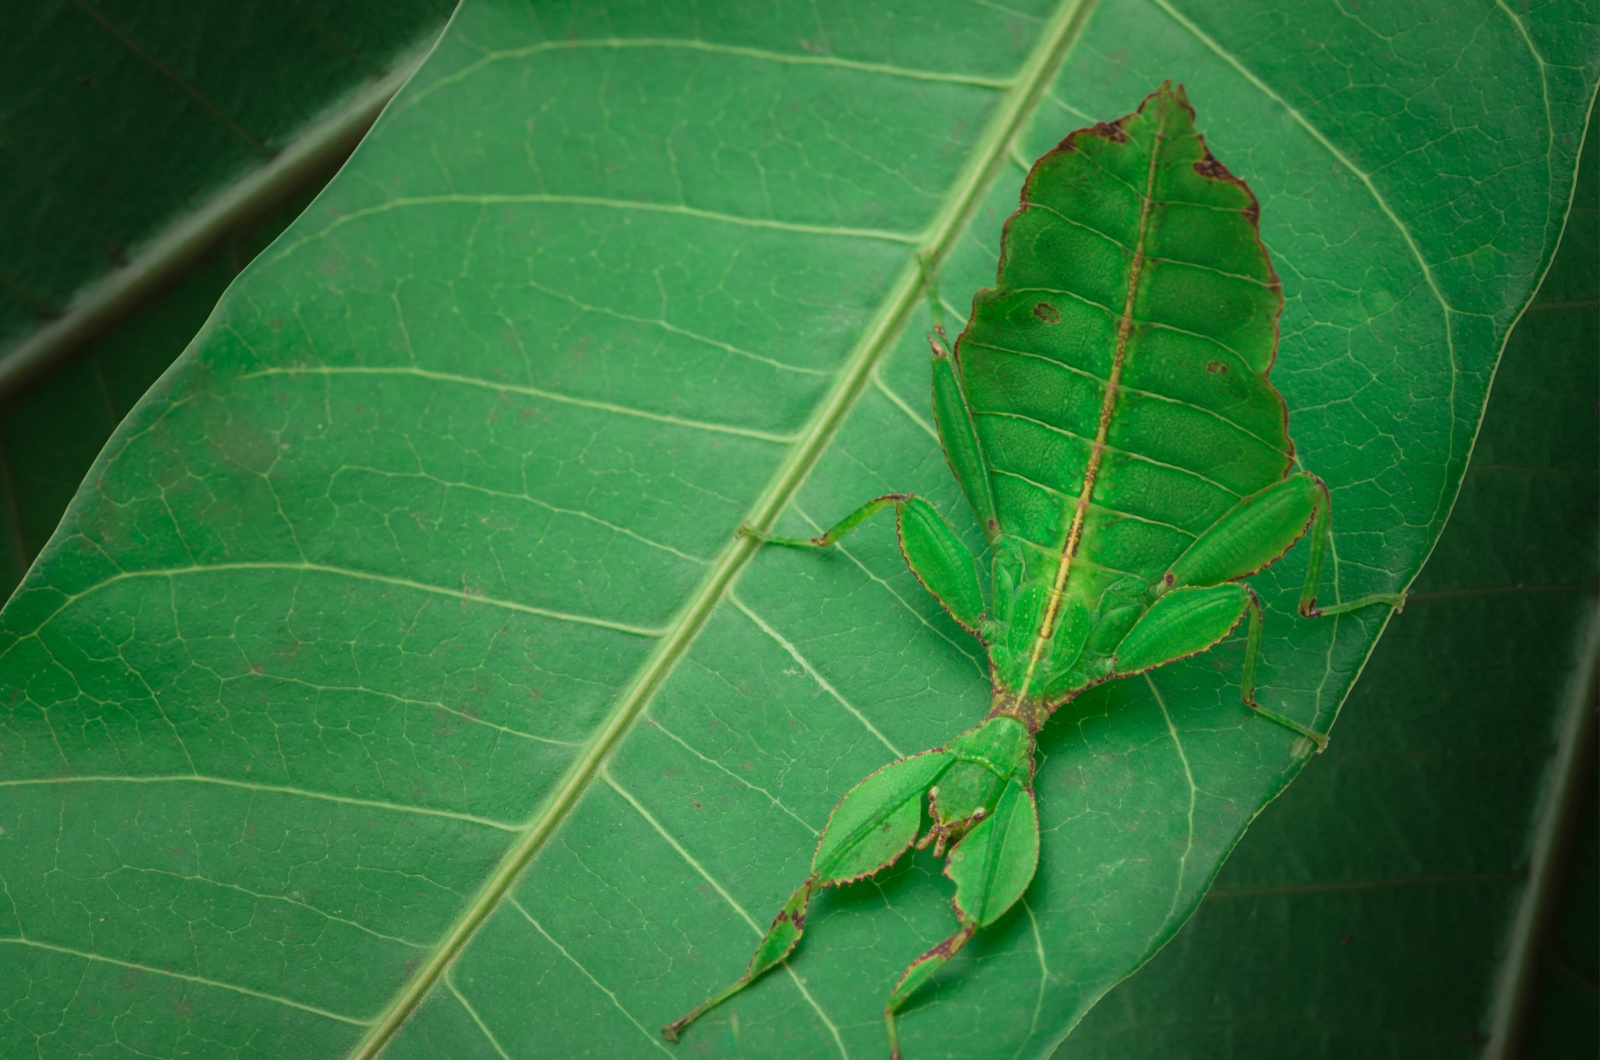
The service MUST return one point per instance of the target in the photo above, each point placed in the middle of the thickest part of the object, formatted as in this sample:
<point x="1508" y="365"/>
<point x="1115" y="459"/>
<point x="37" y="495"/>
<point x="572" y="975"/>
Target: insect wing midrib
<point x="1108" y="401"/>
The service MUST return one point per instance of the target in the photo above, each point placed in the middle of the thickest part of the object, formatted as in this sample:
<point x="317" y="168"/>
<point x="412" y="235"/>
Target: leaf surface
<point x="1369" y="911"/>
<point x="122" y="117"/>
<point x="397" y="681"/>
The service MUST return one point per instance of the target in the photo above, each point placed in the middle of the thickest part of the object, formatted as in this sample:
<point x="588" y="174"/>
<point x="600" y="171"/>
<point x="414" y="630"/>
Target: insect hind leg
<point x="1247" y="682"/>
<point x="1309" y="608"/>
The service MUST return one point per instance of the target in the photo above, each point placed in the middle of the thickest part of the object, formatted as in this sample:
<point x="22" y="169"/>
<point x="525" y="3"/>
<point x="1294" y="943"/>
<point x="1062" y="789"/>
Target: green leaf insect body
<point x="1108" y="416"/>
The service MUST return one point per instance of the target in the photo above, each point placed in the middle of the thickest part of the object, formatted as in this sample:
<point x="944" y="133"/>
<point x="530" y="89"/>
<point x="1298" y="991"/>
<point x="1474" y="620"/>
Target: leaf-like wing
<point x="1133" y="266"/>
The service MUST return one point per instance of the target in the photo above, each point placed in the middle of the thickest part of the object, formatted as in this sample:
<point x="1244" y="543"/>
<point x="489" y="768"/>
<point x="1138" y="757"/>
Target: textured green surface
<point x="370" y="678"/>
<point x="118" y="115"/>
<point x="1117" y="379"/>
<point x="1365" y="914"/>
<point x="51" y="432"/>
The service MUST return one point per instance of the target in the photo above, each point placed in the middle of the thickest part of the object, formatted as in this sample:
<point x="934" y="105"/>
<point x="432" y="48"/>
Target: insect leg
<point x="1251" y="535"/>
<point x="920" y="972"/>
<point x="1319" y="545"/>
<point x="1183" y="622"/>
<point x="839" y="529"/>
<point x="931" y="549"/>
<point x="1247" y="680"/>
<point x="873" y="824"/>
<point x="1190" y="620"/>
<point x="779" y="941"/>
<point x="958" y="435"/>
<point x="991" y="866"/>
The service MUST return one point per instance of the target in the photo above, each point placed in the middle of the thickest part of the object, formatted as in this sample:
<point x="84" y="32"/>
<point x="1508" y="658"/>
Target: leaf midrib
<point x="989" y="156"/>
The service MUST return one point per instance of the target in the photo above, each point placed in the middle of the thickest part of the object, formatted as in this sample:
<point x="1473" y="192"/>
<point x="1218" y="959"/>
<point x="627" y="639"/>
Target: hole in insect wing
<point x="1047" y="313"/>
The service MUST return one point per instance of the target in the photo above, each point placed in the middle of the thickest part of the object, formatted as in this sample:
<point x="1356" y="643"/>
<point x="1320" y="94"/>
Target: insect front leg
<point x="873" y="824"/>
<point x="991" y="866"/>
<point x="931" y="549"/>
<point x="952" y="415"/>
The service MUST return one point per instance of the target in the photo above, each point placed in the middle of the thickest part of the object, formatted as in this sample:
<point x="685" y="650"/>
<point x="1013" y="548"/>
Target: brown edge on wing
<point x="1212" y="169"/>
<point x="1208" y="167"/>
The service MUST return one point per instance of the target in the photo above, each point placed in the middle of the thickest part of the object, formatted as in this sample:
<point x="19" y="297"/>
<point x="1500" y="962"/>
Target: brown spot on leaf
<point x="1216" y="368"/>
<point x="1047" y="313"/>
<point x="1210" y="167"/>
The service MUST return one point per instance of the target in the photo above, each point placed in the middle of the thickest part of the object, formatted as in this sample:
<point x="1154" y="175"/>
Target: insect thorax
<point x="1042" y="654"/>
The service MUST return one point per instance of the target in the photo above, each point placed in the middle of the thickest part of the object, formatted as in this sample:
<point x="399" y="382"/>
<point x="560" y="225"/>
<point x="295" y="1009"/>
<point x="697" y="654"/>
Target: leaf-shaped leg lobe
<point x="873" y="824"/>
<point x="958" y="435"/>
<point x="1251" y="535"/>
<point x="877" y="820"/>
<point x="991" y="867"/>
<point x="1183" y="622"/>
<point x="931" y="549"/>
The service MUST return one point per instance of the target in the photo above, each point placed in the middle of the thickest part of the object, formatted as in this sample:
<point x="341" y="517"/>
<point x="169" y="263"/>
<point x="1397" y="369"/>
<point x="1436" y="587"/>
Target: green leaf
<point x="398" y="661"/>
<point x="121" y="117"/>
<point x="131" y="136"/>
<point x="1376" y="908"/>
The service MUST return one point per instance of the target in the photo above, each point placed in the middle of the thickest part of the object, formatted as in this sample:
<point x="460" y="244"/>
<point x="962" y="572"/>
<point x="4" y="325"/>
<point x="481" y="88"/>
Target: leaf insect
<point x="1107" y="413"/>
